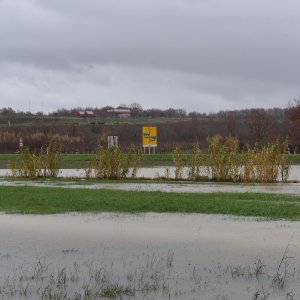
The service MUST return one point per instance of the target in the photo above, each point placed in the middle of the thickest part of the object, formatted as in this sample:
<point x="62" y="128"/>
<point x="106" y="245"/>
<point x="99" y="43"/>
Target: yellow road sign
<point x="149" y="136"/>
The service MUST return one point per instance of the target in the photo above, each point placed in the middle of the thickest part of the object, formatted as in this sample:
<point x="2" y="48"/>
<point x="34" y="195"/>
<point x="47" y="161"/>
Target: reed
<point x="46" y="163"/>
<point x="226" y="162"/>
<point x="249" y="158"/>
<point x="197" y="163"/>
<point x="25" y="164"/>
<point x="178" y="161"/>
<point x="223" y="162"/>
<point x="266" y="164"/>
<point x="111" y="163"/>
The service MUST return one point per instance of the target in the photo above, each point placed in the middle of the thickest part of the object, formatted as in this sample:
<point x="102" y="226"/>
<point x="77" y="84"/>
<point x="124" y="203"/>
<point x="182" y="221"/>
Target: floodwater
<point x="151" y="173"/>
<point x="178" y="187"/>
<point x="149" y="256"/>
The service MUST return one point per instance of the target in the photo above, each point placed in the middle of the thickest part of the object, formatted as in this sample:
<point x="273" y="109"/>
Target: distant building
<point x="86" y="113"/>
<point x="120" y="112"/>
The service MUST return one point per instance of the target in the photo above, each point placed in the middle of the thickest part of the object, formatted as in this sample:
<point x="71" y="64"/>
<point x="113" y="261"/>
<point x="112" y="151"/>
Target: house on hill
<point x="120" y="112"/>
<point x="86" y="113"/>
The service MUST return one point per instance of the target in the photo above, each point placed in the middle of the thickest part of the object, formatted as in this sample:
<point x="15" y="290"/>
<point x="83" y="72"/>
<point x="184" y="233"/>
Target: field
<point x="34" y="120"/>
<point x="42" y="200"/>
<point x="145" y="245"/>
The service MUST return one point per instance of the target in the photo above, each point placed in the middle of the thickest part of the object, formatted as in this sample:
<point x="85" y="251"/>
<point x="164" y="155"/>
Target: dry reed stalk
<point x="178" y="161"/>
<point x="46" y="163"/>
<point x="196" y="164"/>
<point x="111" y="163"/>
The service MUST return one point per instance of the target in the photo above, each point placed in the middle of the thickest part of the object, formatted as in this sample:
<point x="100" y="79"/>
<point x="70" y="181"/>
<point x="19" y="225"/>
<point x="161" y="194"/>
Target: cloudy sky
<point x="203" y="55"/>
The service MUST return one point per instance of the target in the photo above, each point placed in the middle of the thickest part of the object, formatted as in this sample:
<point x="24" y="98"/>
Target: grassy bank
<point x="75" y="161"/>
<point x="39" y="200"/>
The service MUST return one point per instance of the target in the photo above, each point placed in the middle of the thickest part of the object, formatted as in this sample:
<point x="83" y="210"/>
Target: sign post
<point x="149" y="138"/>
<point x="112" y="141"/>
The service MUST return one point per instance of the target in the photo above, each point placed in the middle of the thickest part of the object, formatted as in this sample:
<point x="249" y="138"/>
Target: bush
<point x="227" y="163"/>
<point x="111" y="163"/>
<point x="46" y="163"/>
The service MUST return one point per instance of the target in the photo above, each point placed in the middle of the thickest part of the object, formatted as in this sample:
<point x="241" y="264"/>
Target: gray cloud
<point x="203" y="55"/>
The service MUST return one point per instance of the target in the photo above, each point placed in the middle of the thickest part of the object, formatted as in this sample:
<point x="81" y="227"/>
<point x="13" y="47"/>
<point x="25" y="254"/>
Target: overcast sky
<point x="203" y="55"/>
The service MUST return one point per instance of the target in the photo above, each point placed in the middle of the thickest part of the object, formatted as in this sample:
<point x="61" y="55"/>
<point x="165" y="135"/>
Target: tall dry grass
<point x="226" y="162"/>
<point x="266" y="164"/>
<point x="178" y="161"/>
<point x="46" y="163"/>
<point x="196" y="164"/>
<point x="112" y="163"/>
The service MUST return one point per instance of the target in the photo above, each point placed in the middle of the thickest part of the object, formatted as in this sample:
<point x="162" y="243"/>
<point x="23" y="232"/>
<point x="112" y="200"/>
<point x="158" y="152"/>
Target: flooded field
<point x="178" y="187"/>
<point x="151" y="173"/>
<point x="149" y="256"/>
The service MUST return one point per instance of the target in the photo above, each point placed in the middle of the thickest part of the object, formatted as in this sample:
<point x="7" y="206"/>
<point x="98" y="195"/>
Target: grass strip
<point x="42" y="200"/>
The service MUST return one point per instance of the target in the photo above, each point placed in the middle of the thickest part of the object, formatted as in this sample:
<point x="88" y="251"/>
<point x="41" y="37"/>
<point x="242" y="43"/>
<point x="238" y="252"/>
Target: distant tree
<point x="294" y="116"/>
<point x="175" y="113"/>
<point x="7" y="111"/>
<point x="231" y="123"/>
<point x="136" y="109"/>
<point x="153" y="113"/>
<point x="122" y="105"/>
<point x="260" y="124"/>
<point x="63" y="112"/>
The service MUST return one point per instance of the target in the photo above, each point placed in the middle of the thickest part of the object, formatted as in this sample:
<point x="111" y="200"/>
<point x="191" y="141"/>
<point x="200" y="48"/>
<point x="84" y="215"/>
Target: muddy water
<point x="190" y="256"/>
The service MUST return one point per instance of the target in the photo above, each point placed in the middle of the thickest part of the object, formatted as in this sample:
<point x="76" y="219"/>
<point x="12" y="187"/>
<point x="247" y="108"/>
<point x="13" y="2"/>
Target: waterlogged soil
<point x="148" y="256"/>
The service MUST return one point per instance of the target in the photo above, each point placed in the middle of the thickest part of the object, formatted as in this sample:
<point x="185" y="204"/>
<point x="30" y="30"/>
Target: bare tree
<point x="136" y="109"/>
<point x="260" y="124"/>
<point x="231" y="123"/>
<point x="294" y="116"/>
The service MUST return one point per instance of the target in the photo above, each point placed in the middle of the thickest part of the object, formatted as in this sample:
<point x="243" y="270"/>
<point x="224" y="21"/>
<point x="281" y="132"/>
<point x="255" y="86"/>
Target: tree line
<point x="250" y="126"/>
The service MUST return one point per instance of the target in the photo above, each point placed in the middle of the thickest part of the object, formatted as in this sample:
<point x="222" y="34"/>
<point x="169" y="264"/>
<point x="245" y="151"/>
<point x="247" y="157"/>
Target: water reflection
<point x="183" y="256"/>
<point x="151" y="173"/>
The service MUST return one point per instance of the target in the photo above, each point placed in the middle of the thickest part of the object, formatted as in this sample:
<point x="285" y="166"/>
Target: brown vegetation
<point x="253" y="126"/>
<point x="112" y="163"/>
<point x="227" y="162"/>
<point x="45" y="163"/>
<point x="294" y="115"/>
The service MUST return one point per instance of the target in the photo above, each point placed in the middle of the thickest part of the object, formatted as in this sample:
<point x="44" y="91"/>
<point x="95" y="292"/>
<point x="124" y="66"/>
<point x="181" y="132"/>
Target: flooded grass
<point x="150" y="256"/>
<point x="44" y="200"/>
<point x="154" y="279"/>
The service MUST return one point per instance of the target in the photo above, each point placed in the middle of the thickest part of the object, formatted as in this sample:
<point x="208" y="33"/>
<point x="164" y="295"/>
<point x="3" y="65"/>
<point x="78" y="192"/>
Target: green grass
<point x="41" y="200"/>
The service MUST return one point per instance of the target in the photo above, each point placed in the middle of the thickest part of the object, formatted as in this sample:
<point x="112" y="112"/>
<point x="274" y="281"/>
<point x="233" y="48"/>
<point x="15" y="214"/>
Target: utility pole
<point x="43" y="109"/>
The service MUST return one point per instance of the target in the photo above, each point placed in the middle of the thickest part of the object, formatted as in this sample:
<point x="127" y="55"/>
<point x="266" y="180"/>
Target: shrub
<point x="111" y="163"/>
<point x="46" y="163"/>
<point x="226" y="163"/>
<point x="196" y="165"/>
<point x="178" y="161"/>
